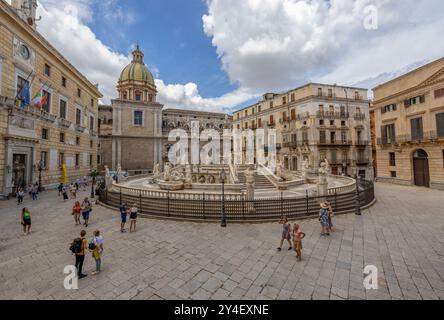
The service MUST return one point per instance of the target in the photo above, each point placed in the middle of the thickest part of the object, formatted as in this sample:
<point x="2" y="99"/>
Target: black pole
<point x="224" y="221"/>
<point x="92" y="187"/>
<point x="40" y="178"/>
<point x="358" y="202"/>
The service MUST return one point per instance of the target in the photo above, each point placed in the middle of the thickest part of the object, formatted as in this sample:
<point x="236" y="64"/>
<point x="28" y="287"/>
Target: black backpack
<point x="76" y="246"/>
<point x="91" y="245"/>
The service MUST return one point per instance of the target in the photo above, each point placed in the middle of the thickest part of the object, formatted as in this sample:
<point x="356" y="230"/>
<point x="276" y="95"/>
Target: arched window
<point x="420" y="154"/>
<point x="138" y="96"/>
<point x="125" y="96"/>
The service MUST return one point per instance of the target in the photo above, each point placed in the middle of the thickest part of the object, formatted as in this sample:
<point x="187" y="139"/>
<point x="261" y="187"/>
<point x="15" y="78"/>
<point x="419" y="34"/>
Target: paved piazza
<point x="402" y="235"/>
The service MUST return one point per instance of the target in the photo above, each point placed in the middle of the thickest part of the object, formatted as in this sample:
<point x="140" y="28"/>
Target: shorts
<point x="85" y="215"/>
<point x="133" y="216"/>
<point x="123" y="218"/>
<point x="26" y="222"/>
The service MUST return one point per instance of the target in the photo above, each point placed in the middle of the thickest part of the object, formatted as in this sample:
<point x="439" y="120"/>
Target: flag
<point x="25" y="94"/>
<point x="37" y="99"/>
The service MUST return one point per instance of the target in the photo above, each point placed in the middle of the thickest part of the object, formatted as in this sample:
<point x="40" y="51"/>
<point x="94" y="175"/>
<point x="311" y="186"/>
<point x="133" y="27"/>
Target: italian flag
<point x="39" y="100"/>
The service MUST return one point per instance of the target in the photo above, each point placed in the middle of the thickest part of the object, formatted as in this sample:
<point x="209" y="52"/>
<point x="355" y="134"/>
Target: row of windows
<point x="62" y="159"/>
<point x="45" y="136"/>
<point x="388" y="132"/>
<point x="292" y="99"/>
<point x="439" y="93"/>
<point x="63" y="82"/>
<point x="392" y="162"/>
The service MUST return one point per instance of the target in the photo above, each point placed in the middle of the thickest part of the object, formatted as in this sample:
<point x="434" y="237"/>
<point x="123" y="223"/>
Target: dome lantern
<point x="136" y="83"/>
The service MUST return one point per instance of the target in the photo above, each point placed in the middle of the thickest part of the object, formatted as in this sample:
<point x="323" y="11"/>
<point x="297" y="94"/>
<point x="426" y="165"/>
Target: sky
<point x="221" y="55"/>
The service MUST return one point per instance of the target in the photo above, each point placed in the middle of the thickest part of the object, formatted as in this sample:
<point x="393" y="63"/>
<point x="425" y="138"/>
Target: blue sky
<point x="219" y="55"/>
<point x="173" y="41"/>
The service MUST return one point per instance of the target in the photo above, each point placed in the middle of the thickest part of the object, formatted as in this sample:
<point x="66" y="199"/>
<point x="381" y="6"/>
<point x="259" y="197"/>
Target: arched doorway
<point x="421" y="173"/>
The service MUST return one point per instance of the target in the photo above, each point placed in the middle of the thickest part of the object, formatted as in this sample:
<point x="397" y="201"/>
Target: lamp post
<point x="94" y="174"/>
<point x="222" y="179"/>
<point x="40" y="168"/>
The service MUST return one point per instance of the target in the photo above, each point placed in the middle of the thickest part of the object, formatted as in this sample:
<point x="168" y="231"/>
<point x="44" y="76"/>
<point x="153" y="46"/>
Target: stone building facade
<point x="55" y="141"/>
<point x="409" y="125"/>
<point x="316" y="122"/>
<point x="134" y="129"/>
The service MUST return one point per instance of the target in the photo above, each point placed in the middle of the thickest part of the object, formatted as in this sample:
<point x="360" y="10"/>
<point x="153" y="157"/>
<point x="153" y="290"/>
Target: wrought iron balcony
<point x="359" y="116"/>
<point x="323" y="142"/>
<point x="362" y="143"/>
<point x="303" y="116"/>
<point x="387" y="140"/>
<point x="332" y="115"/>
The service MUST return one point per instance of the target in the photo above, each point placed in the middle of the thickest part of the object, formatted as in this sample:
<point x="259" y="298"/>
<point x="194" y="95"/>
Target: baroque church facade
<point x="134" y="129"/>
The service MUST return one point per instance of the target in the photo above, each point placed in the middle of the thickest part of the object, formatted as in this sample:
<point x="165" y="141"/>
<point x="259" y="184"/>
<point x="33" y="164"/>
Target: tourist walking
<point x="60" y="188"/>
<point x="86" y="210"/>
<point x="330" y="215"/>
<point x="76" y="211"/>
<point x="96" y="245"/>
<point x="34" y="190"/>
<point x="298" y="235"/>
<point x="26" y="221"/>
<point x="123" y="215"/>
<point x="73" y="191"/>
<point x="323" y="219"/>
<point x="20" y="196"/>
<point x="133" y="217"/>
<point x="286" y="233"/>
<point x="65" y="193"/>
<point x="78" y="247"/>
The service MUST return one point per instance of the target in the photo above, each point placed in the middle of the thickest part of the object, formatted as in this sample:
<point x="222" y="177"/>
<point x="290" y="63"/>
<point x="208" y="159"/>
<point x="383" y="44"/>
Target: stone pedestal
<point x="322" y="188"/>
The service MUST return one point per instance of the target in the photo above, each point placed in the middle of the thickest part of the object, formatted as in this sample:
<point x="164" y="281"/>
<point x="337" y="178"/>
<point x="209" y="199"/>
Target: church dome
<point x="137" y="70"/>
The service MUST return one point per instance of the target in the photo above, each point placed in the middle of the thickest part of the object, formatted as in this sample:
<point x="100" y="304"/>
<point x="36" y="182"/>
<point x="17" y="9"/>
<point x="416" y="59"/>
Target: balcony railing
<point x="79" y="128"/>
<point x="332" y="115"/>
<point x="303" y="116"/>
<point x="362" y="143"/>
<point x="292" y="144"/>
<point x="359" y="116"/>
<point x="64" y="123"/>
<point x="386" y="140"/>
<point x="334" y="142"/>
<point x="362" y="161"/>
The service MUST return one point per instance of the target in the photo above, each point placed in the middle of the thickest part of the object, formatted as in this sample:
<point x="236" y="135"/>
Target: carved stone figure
<point x="108" y="178"/>
<point x="156" y="170"/>
<point x="323" y="173"/>
<point x="119" y="173"/>
<point x="167" y="172"/>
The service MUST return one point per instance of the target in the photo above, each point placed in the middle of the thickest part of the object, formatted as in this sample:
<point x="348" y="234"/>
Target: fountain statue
<point x="108" y="178"/>
<point x="322" y="183"/>
<point x="249" y="179"/>
<point x="167" y="172"/>
<point x="156" y="170"/>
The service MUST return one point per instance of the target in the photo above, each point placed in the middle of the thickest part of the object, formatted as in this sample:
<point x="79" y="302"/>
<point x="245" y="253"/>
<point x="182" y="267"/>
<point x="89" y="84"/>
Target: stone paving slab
<point x="402" y="234"/>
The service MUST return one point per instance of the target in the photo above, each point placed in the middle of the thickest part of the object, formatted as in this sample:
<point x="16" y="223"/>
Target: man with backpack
<point x="78" y="247"/>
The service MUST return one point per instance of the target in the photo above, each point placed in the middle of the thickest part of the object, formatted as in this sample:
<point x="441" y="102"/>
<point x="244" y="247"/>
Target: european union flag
<point x="26" y="96"/>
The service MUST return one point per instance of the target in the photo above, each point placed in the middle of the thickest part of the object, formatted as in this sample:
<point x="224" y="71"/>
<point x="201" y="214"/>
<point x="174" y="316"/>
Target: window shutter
<point x="440" y="124"/>
<point x="421" y="99"/>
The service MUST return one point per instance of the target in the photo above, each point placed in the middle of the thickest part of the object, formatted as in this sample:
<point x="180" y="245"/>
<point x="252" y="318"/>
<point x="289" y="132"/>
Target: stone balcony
<point x="79" y="128"/>
<point x="64" y="123"/>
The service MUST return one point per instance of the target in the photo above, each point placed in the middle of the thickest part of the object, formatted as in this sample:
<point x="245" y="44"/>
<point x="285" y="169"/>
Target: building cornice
<point x="45" y="45"/>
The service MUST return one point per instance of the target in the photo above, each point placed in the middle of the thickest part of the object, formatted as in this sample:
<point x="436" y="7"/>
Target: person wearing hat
<point x="323" y="219"/>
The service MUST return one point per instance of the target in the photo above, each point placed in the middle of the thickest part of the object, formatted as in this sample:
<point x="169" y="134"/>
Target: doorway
<point x="421" y="173"/>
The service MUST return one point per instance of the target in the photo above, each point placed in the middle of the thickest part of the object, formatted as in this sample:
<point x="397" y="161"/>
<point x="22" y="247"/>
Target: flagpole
<point x="27" y="80"/>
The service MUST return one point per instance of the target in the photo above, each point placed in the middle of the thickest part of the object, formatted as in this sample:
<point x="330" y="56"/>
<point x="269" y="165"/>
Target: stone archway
<point x="421" y="174"/>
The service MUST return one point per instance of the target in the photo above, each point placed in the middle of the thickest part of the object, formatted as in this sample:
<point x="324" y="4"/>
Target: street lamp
<point x="40" y="168"/>
<point x="93" y="175"/>
<point x="223" y="176"/>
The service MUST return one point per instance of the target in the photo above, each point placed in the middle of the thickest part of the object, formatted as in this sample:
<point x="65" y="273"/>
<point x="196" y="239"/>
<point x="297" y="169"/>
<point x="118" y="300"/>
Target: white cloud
<point x="187" y="96"/>
<point x="63" y="25"/>
<point x="276" y="44"/>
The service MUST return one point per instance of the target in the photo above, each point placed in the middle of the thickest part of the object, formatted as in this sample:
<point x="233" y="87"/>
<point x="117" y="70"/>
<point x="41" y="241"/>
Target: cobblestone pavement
<point x="402" y="234"/>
